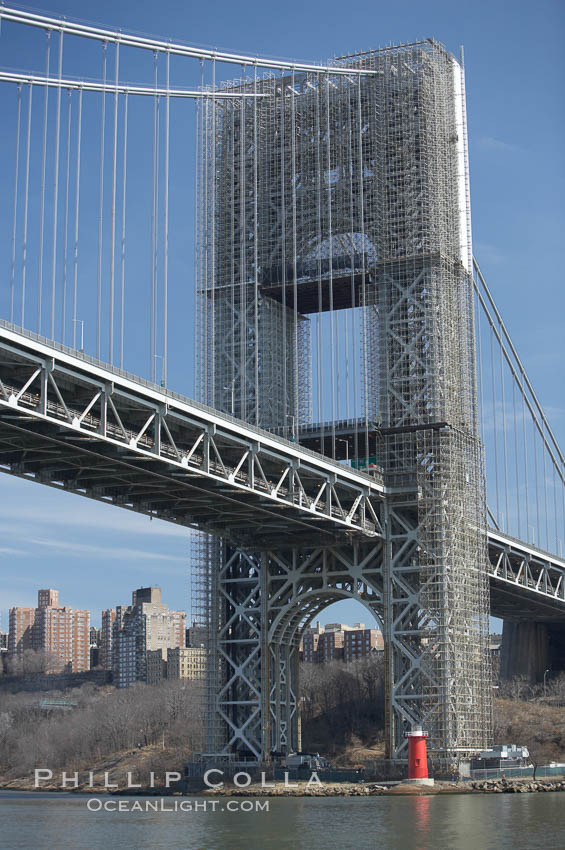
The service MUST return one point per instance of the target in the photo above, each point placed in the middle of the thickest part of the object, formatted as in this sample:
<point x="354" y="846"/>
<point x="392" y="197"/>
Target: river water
<point x="455" y="822"/>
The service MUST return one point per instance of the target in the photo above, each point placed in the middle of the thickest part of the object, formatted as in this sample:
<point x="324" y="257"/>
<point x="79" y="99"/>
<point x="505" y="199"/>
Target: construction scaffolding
<point x="340" y="203"/>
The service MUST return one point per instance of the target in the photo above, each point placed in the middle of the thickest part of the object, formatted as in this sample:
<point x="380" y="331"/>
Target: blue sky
<point x="515" y="64"/>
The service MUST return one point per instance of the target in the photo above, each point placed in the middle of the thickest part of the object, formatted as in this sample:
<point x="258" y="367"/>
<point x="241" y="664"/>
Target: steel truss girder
<point x="194" y="466"/>
<point x="525" y="581"/>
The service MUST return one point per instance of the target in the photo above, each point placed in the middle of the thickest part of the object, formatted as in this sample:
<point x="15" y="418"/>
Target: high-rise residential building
<point x="62" y="632"/>
<point x="65" y="632"/>
<point x="106" y="638"/>
<point x="125" y="657"/>
<point x="21" y="630"/>
<point x="95" y="635"/>
<point x="3" y="650"/>
<point x="145" y="626"/>
<point x="186" y="663"/>
<point x="178" y="619"/>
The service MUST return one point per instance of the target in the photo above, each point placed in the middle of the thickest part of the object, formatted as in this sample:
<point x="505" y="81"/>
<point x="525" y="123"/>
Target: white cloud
<point x="109" y="552"/>
<point x="25" y="502"/>
<point x="491" y="143"/>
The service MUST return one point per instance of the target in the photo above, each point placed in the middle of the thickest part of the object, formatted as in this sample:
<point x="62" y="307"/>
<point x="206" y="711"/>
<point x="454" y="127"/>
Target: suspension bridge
<point x="351" y="364"/>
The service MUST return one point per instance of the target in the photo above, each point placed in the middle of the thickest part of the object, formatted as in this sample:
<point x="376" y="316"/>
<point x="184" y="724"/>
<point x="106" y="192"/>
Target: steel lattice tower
<point x="334" y="192"/>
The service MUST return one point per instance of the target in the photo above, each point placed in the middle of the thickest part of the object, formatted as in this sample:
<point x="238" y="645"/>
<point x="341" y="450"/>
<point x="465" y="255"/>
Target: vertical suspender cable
<point x="56" y="188"/>
<point x="15" y="213"/>
<point x="285" y="415"/>
<point x="330" y="261"/>
<point x="363" y="270"/>
<point x="153" y="316"/>
<point x="77" y="202"/>
<point x="101" y="208"/>
<point x="42" y="201"/>
<point x="554" y="488"/>
<point x="242" y="357"/>
<point x="351" y="373"/>
<point x="166" y="225"/>
<point x="197" y="339"/>
<point x="26" y="205"/>
<point x="66" y="223"/>
<point x="212" y="178"/>
<point x="228" y="370"/>
<point x="255" y="249"/>
<point x="203" y="212"/>
<point x="494" y="419"/>
<point x="354" y="229"/>
<point x="562" y="514"/>
<point x="526" y="382"/>
<point x="504" y="441"/>
<point x="481" y="377"/>
<point x="543" y="454"/>
<point x="297" y="388"/>
<point x="525" y="441"/>
<point x="336" y="315"/>
<point x="516" y="466"/>
<point x="318" y="243"/>
<point x="114" y="180"/>
<point x="123" y="239"/>
<point x="200" y="263"/>
<point x="536" y="480"/>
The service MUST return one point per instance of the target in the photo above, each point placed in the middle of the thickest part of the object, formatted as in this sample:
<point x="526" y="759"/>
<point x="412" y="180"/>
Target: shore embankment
<point x="368" y="789"/>
<point x="301" y="788"/>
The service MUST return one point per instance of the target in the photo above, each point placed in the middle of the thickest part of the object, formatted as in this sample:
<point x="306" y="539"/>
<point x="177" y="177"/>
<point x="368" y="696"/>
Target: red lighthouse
<point x="417" y="754"/>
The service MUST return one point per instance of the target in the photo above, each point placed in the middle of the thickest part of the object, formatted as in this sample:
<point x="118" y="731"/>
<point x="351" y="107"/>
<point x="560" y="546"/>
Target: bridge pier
<point x="387" y="234"/>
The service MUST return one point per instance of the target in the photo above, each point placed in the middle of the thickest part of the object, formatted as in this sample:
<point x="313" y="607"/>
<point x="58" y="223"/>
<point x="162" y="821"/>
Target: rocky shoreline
<point x="304" y="789"/>
<point x="522" y="786"/>
<point x="369" y="789"/>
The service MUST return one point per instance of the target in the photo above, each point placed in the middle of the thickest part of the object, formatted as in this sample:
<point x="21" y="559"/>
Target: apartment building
<point x="21" y="630"/>
<point x="186" y="663"/>
<point x="65" y="632"/>
<point x="106" y="638"/>
<point x="359" y="643"/>
<point x="156" y="666"/>
<point x="146" y="626"/>
<point x="60" y="631"/>
<point x="339" y="642"/>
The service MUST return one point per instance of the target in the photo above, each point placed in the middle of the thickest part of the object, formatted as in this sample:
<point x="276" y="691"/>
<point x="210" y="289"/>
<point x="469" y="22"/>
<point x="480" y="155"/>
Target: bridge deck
<point x="70" y="422"/>
<point x="73" y="423"/>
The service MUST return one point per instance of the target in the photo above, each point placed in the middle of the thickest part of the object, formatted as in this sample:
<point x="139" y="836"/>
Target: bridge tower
<point x="339" y="191"/>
